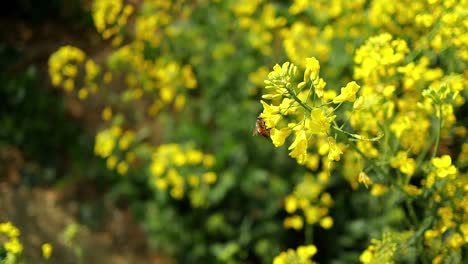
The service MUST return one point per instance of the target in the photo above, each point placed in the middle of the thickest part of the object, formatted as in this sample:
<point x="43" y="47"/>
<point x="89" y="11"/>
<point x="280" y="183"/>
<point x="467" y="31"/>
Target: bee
<point x="260" y="128"/>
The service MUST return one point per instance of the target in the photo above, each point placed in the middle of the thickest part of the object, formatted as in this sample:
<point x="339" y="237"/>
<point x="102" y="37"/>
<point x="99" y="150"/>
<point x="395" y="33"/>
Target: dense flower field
<point x="362" y="105"/>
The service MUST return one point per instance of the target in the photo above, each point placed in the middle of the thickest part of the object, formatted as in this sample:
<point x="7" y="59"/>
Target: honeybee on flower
<point x="260" y="128"/>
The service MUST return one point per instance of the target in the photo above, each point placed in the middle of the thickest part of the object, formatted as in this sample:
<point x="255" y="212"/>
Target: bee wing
<point x="255" y="131"/>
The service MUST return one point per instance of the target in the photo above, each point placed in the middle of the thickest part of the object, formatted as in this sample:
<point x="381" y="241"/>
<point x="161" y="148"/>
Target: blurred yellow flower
<point x="46" y="250"/>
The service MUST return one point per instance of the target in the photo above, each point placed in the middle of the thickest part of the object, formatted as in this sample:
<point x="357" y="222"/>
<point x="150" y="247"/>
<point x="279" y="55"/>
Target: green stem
<point x="311" y="86"/>
<point x="429" y="37"/>
<point x="299" y="101"/>
<point x="309" y="234"/>
<point x="439" y="132"/>
<point x="412" y="213"/>
<point x="338" y="106"/>
<point x="356" y="136"/>
<point x="426" y="224"/>
<point x="381" y="172"/>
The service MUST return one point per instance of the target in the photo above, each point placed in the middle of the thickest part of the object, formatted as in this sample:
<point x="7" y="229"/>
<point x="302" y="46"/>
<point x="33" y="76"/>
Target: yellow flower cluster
<point x="260" y="28"/>
<point x="12" y="245"/>
<point x="63" y="66"/>
<point x="303" y="108"/>
<point x="310" y="198"/>
<point x="377" y="59"/>
<point x="110" y="17"/>
<point x="435" y="24"/>
<point x="384" y="250"/>
<point x="161" y="80"/>
<point x="443" y="96"/>
<point x="402" y="99"/>
<point x="327" y="11"/>
<point x="334" y="22"/>
<point x="301" y="40"/>
<point x="67" y="64"/>
<point x="301" y="255"/>
<point x="449" y="232"/>
<point x="152" y="80"/>
<point x="164" y="81"/>
<point x="379" y="65"/>
<point x="182" y="169"/>
<point x="114" y="145"/>
<point x="155" y="21"/>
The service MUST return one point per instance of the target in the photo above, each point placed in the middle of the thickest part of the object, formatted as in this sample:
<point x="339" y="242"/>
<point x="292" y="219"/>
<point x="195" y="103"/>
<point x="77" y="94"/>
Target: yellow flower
<point x="167" y="93"/>
<point x="319" y="122"/>
<point x="290" y="203"/>
<point x="14" y="246"/>
<point x="335" y="151"/>
<point x="9" y="229"/>
<point x="106" y="114"/>
<point x="105" y="143"/>
<point x="177" y="192"/>
<point x="161" y="184"/>
<point x="188" y="77"/>
<point x="326" y="222"/>
<point x="122" y="167"/>
<point x="306" y="251"/>
<point x="412" y="190"/>
<point x="126" y="140"/>
<point x="405" y="164"/>
<point x="312" y="214"/>
<point x="92" y="70"/>
<point x="279" y="259"/>
<point x="194" y="156"/>
<point x="179" y="102"/>
<point x="455" y="241"/>
<point x="179" y="159"/>
<point x="111" y="162"/>
<point x="299" y="147"/>
<point x="366" y="256"/>
<point x="378" y="189"/>
<point x="464" y="230"/>
<point x="209" y="177"/>
<point x="70" y="70"/>
<point x="46" y="250"/>
<point x="294" y="222"/>
<point x="301" y="255"/>
<point x="326" y="199"/>
<point x="312" y="69"/>
<point x="157" y="168"/>
<point x="193" y="180"/>
<point x="69" y="85"/>
<point x="116" y="131"/>
<point x="364" y="179"/>
<point x="278" y="136"/>
<point x="208" y="160"/>
<point x="348" y="93"/>
<point x="270" y="115"/>
<point x="444" y="166"/>
<point x="312" y="161"/>
<point x="175" y="178"/>
<point x="408" y="167"/>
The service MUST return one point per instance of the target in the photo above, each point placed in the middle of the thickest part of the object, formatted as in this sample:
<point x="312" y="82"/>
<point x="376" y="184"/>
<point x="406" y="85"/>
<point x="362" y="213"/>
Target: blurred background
<point x="56" y="190"/>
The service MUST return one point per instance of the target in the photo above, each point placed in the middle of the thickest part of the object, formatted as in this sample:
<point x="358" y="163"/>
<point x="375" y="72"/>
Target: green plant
<point x="181" y="87"/>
